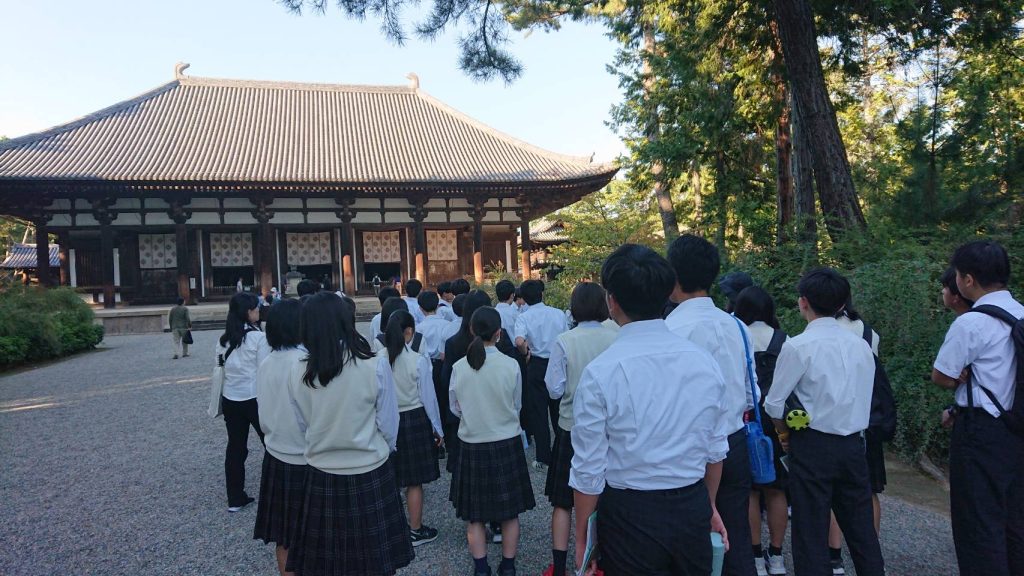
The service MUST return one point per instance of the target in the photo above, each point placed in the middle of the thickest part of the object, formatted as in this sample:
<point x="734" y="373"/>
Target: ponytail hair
<point x="237" y="322"/>
<point x="394" y="333"/>
<point x="484" y="323"/>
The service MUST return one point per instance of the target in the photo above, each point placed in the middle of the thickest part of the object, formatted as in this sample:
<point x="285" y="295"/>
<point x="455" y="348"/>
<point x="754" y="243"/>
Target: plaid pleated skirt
<point x="556" y="487"/>
<point x="416" y="455"/>
<point x="279" y="508"/>
<point x="491" y="481"/>
<point x="451" y="445"/>
<point x="351" y="526"/>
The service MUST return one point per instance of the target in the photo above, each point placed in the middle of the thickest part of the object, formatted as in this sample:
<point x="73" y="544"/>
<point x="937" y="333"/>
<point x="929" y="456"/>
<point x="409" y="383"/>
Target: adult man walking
<point x="180" y="323"/>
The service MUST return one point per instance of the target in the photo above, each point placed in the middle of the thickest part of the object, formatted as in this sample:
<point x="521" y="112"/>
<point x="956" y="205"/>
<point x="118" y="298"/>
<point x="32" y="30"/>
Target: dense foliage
<point x="40" y="324"/>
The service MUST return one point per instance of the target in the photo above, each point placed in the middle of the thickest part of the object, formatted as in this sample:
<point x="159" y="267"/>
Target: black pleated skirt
<point x="352" y="526"/>
<point x="556" y="487"/>
<point x="491" y="481"/>
<point x="279" y="508"/>
<point x="876" y="464"/>
<point x="416" y="455"/>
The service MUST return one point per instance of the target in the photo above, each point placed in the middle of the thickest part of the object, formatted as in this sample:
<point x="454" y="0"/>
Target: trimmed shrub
<point x="40" y="324"/>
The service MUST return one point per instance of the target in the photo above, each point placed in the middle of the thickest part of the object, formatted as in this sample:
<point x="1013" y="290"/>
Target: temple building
<point x="202" y="183"/>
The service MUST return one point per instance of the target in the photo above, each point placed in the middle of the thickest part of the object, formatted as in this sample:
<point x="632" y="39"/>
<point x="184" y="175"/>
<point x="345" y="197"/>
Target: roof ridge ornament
<point x="414" y="81"/>
<point x="179" y="70"/>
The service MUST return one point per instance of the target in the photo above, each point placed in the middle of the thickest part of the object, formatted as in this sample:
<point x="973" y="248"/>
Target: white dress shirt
<point x="453" y="328"/>
<point x="444" y="310"/>
<point x="539" y="326"/>
<point x="414" y="308"/>
<point x="435" y="332"/>
<point x="760" y="336"/>
<point x="983" y="343"/>
<point x="647" y="413"/>
<point x="424" y="384"/>
<point x="508" y="314"/>
<point x="375" y="326"/>
<point x="832" y="372"/>
<point x="857" y="327"/>
<point x="716" y="331"/>
<point x="240" y="367"/>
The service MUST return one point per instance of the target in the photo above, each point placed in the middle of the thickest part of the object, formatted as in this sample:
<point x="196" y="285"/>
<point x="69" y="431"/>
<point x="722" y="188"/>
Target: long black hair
<point x="237" y="323"/>
<point x="485" y="322"/>
<point x="394" y="333"/>
<point x="284" y="324"/>
<point x="755" y="304"/>
<point x="329" y="335"/>
<point x="474" y="300"/>
<point x="849" y="311"/>
<point x="390" y="306"/>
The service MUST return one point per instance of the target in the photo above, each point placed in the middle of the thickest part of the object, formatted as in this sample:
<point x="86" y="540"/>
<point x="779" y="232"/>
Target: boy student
<point x="375" y="328"/>
<point x="986" y="459"/>
<point x="645" y="434"/>
<point x="696" y="319"/>
<point x="412" y="290"/>
<point x="505" y="290"/>
<point x="435" y="332"/>
<point x="831" y="371"/>
<point x="444" y="303"/>
<point x="536" y="331"/>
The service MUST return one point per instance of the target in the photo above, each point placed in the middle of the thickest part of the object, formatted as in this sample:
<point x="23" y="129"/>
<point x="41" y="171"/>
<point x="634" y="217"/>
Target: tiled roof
<point x="24" y="256"/>
<point x="547" y="231"/>
<point x="212" y="130"/>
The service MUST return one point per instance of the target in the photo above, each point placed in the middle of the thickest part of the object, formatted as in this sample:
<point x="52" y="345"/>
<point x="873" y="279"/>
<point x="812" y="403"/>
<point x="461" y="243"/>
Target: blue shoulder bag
<point x="762" y="457"/>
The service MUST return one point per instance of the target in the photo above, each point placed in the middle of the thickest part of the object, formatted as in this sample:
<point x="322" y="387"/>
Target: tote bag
<point x="216" y="388"/>
<point x="762" y="457"/>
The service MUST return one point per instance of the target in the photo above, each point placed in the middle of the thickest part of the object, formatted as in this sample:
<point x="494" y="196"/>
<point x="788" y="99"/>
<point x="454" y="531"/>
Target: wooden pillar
<point x="264" y="243"/>
<point x="348" y="275"/>
<point x="419" y="213"/>
<point x="107" y="255"/>
<point x="65" y="276"/>
<point x="478" y="213"/>
<point x="42" y="252"/>
<point x="525" y="243"/>
<point x="179" y="215"/>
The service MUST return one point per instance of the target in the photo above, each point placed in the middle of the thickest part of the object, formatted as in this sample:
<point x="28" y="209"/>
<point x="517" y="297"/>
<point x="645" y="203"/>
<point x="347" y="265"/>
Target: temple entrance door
<point x="387" y="271"/>
<point x="382" y="256"/>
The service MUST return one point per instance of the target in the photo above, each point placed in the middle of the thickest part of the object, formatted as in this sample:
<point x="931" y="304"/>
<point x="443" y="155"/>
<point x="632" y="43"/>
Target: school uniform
<point x="721" y="335"/>
<point x="761" y="337"/>
<point x="986" y="460"/>
<point x="444" y="310"/>
<point x="434" y="329"/>
<point x="491" y="481"/>
<point x="375" y="326"/>
<point x="571" y="353"/>
<point x="540" y="325"/>
<point x="831" y="372"/>
<point x="646" y="416"/>
<point x="240" y="407"/>
<point x="353" y="521"/>
<point x="873" y="447"/>
<point x="415" y="457"/>
<point x="283" y="483"/>
<point x="414" y="308"/>
<point x="508" y="313"/>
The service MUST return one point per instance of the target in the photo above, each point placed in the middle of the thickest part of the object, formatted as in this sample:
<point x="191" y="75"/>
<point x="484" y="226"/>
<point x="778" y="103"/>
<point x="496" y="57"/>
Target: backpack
<point x="415" y="344"/>
<point x="1014" y="417"/>
<point x="882" y="423"/>
<point x="764" y="362"/>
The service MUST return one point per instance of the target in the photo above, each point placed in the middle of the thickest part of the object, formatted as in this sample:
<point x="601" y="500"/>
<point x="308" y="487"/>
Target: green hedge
<point x="40" y="324"/>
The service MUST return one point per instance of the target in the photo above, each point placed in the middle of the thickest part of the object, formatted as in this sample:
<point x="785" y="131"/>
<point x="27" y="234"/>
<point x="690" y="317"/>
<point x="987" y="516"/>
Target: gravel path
<point x="111" y="466"/>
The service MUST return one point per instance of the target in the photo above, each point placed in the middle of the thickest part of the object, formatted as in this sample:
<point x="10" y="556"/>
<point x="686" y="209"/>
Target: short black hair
<point x="532" y="291"/>
<point x="389" y="307"/>
<point x="639" y="279"/>
<point x="504" y="290"/>
<point x="444" y="287"/>
<point x="695" y="261"/>
<point x="180" y="301"/>
<point x="458" y="303"/>
<point x="755" y="304"/>
<point x="948" y="280"/>
<point x="386" y="293"/>
<point x="428" y="301"/>
<point x="307" y="286"/>
<point x="826" y="291"/>
<point x="986" y="261"/>
<point x="284" y="326"/>
<point x="588" y="303"/>
<point x="460" y="286"/>
<point x="413" y="287"/>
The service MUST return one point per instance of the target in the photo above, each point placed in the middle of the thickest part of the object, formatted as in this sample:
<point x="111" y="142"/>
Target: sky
<point x="67" y="58"/>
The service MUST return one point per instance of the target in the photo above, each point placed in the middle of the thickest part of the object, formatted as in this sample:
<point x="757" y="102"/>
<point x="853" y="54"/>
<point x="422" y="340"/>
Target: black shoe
<point x="507" y="572"/>
<point x="248" y="500"/>
<point x="423" y="535"/>
<point x="487" y="573"/>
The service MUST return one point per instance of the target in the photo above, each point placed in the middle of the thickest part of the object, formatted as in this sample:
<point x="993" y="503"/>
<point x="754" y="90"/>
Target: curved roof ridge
<point x="289" y="85"/>
<point x="91" y="117"/>
<point x="516" y="142"/>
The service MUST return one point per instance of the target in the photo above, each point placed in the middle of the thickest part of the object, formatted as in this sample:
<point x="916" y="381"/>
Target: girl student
<point x="352" y="519"/>
<point x="571" y="353"/>
<point x="419" y="422"/>
<point x="240" y="350"/>
<point x="755" y="308"/>
<point x="283" y="484"/>
<point x="491" y="480"/>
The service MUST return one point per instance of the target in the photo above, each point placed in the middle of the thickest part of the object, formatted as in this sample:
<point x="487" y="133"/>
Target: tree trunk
<point x="818" y="118"/>
<point x="661" y="189"/>
<point x="783" y="144"/>
<point x="803" y="180"/>
<point x="721" y="200"/>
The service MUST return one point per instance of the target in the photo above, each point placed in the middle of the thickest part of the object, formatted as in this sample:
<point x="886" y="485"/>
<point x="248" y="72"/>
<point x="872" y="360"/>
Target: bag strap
<point x="999" y="314"/>
<point x="867" y="336"/>
<point x="996" y="312"/>
<point x="416" y="341"/>
<point x="750" y="369"/>
<point x="775" y="346"/>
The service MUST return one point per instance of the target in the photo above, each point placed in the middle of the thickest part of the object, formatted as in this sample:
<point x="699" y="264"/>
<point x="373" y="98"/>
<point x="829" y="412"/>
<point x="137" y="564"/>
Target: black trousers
<point x="655" y="533"/>
<point x="541" y="410"/>
<point x="443" y="401"/>
<point x="830" y="472"/>
<point x="733" y="502"/>
<point x="238" y="416"/>
<point x="986" y="495"/>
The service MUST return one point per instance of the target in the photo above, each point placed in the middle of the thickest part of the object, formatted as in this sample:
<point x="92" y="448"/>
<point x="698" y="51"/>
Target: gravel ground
<point x="111" y="466"/>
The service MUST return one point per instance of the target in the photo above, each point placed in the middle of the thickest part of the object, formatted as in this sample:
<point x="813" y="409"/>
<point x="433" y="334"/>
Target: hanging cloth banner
<point x="306" y="249"/>
<point x="442" y="245"/>
<point x="158" y="251"/>
<point x="229" y="250"/>
<point x="381" y="247"/>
